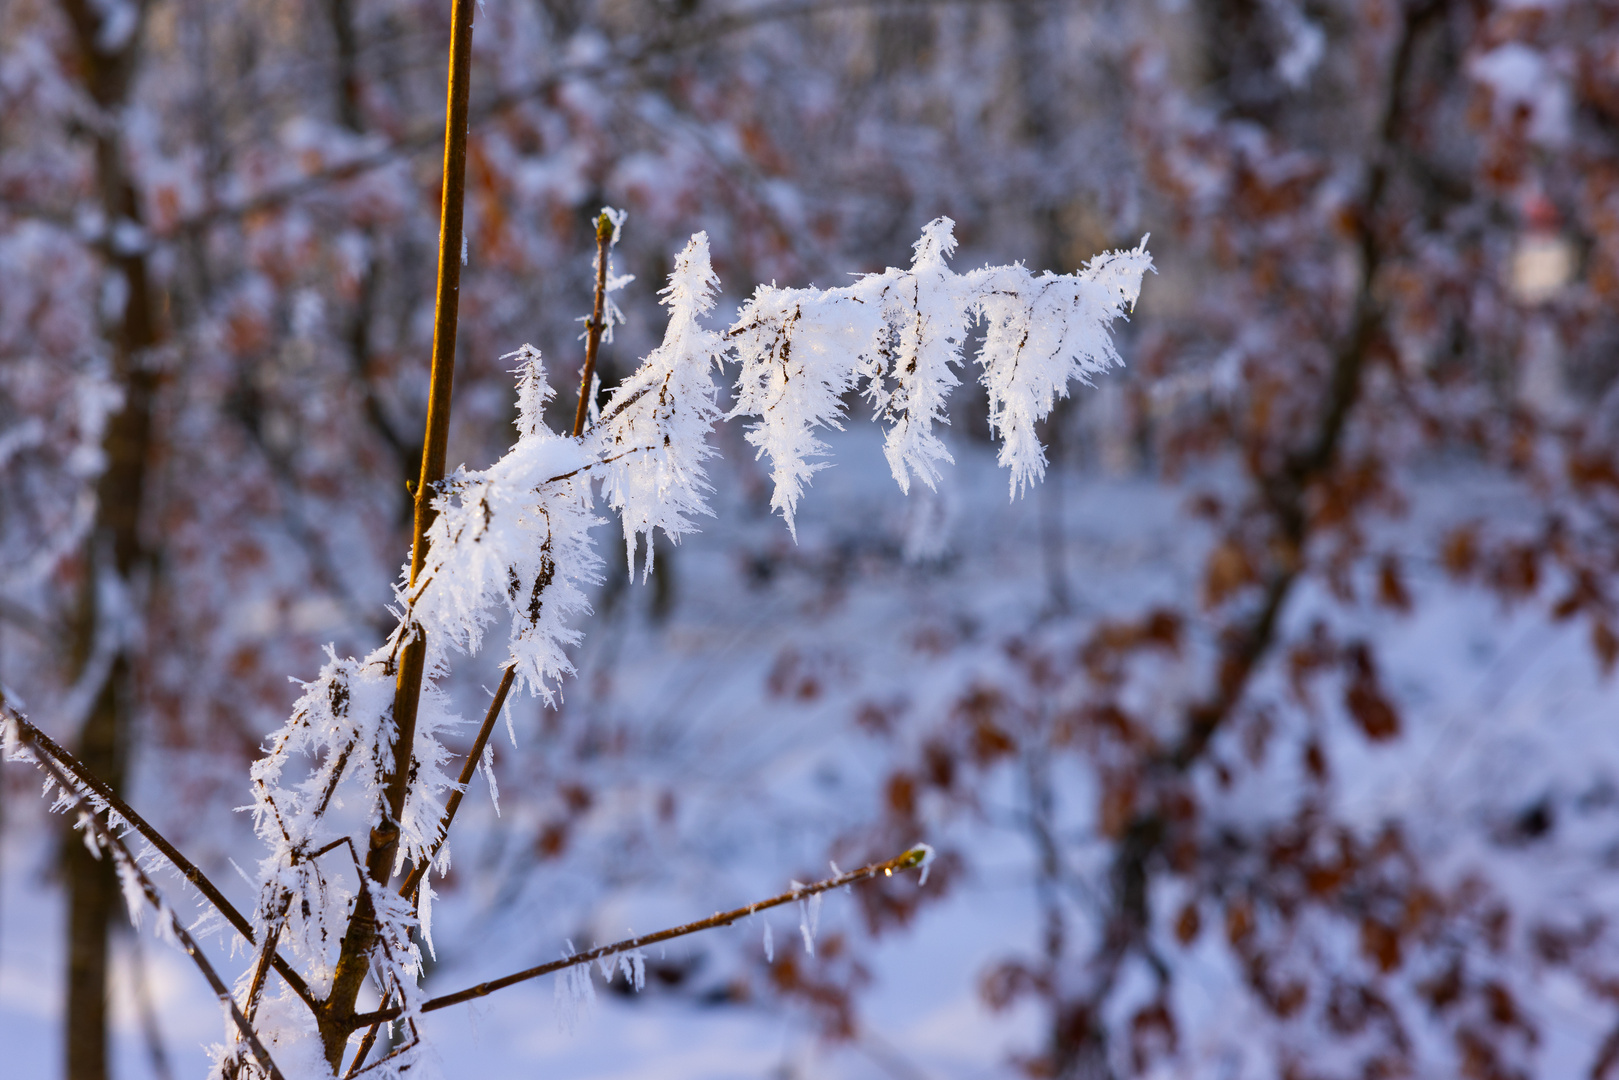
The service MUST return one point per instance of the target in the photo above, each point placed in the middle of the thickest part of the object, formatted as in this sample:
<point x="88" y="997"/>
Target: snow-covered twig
<point x="451" y="805"/>
<point x="513" y="541"/>
<point x="97" y="793"/>
<point x="900" y="334"/>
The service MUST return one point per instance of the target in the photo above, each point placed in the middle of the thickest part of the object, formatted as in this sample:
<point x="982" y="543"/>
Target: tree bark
<point x="106" y="68"/>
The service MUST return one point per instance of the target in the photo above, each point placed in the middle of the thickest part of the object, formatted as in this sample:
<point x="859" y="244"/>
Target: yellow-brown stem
<point x="593" y="329"/>
<point x="361" y="933"/>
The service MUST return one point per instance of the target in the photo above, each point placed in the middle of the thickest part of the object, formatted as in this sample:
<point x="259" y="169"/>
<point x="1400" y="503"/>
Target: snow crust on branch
<point x="653" y="434"/>
<point x="515" y="537"/>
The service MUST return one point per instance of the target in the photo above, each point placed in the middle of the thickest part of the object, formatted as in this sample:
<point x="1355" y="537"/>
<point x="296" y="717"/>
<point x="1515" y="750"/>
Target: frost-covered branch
<point x="375" y="924"/>
<point x="511" y="545"/>
<point x="666" y="407"/>
<point x="22" y="734"/>
<point x="100" y="836"/>
<point x="475" y="757"/>
<point x="899" y="335"/>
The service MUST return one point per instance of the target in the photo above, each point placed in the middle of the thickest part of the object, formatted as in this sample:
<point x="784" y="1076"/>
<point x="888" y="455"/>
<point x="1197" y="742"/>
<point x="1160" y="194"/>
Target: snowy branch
<point x="100" y="796"/>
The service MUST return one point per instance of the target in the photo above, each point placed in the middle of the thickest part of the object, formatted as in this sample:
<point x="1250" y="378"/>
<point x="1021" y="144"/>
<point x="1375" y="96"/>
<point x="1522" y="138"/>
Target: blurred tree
<point x="1389" y="240"/>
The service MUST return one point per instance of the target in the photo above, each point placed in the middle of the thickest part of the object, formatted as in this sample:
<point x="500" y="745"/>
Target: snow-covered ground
<point x="722" y="753"/>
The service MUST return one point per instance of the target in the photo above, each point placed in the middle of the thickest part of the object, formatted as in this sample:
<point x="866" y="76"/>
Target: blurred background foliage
<point x="1315" y="777"/>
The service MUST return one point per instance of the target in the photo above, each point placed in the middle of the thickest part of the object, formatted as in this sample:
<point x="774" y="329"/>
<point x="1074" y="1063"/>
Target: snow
<point x="1521" y="76"/>
<point x="654" y="431"/>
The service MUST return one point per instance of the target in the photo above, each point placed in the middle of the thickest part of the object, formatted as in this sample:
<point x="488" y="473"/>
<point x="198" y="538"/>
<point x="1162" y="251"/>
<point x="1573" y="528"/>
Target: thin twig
<point x="109" y="840"/>
<point x="916" y="856"/>
<point x="593" y="328"/>
<point x="435" y="440"/>
<point x="261" y="966"/>
<point x="419" y="871"/>
<point x="355" y="1070"/>
<point x="413" y="879"/>
<point x="367" y="1041"/>
<point x="37" y="739"/>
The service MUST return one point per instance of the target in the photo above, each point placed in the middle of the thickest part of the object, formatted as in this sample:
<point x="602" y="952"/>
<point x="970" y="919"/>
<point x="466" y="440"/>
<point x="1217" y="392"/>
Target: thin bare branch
<point x="34" y="738"/>
<point x="261" y="966"/>
<point x="593" y="328"/>
<point x="915" y="857"/>
<point x="417" y="872"/>
<point x="367" y="1041"/>
<point x="353" y="959"/>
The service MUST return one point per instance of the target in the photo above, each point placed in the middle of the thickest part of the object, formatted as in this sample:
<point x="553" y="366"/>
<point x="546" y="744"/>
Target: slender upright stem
<point x="413" y="880"/>
<point x="357" y="941"/>
<point x="593" y="329"/>
<point x="435" y="443"/>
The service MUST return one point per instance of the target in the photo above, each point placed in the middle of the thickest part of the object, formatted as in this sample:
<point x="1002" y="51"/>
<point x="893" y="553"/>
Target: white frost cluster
<point x="511" y="543"/>
<point x="809" y="918"/>
<point x="900" y="335"/>
<point x="308" y="880"/>
<point x="515" y="537"/>
<point x="653" y="433"/>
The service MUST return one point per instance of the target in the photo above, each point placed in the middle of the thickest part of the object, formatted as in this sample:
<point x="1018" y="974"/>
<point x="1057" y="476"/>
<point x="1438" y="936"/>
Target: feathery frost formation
<point x="513" y="537"/>
<point x="512" y="542"/>
<point x="901" y="333"/>
<point x="653" y="435"/>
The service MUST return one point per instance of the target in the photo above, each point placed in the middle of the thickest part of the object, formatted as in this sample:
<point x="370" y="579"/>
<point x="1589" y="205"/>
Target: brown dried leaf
<point x="1364" y="697"/>
<point x="1239" y="921"/>
<point x="1188" y="925"/>
<point x="1227" y="570"/>
<point x="1459" y="552"/>
<point x="1605" y="643"/>
<point x="1391" y="590"/>
<point x="1118" y="803"/>
<point x="1381" y="944"/>
<point x="902" y="795"/>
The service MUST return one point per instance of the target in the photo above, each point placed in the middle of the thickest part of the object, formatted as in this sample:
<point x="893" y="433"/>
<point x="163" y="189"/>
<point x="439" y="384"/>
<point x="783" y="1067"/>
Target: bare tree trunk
<point x="92" y="890"/>
<point x="91" y="895"/>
